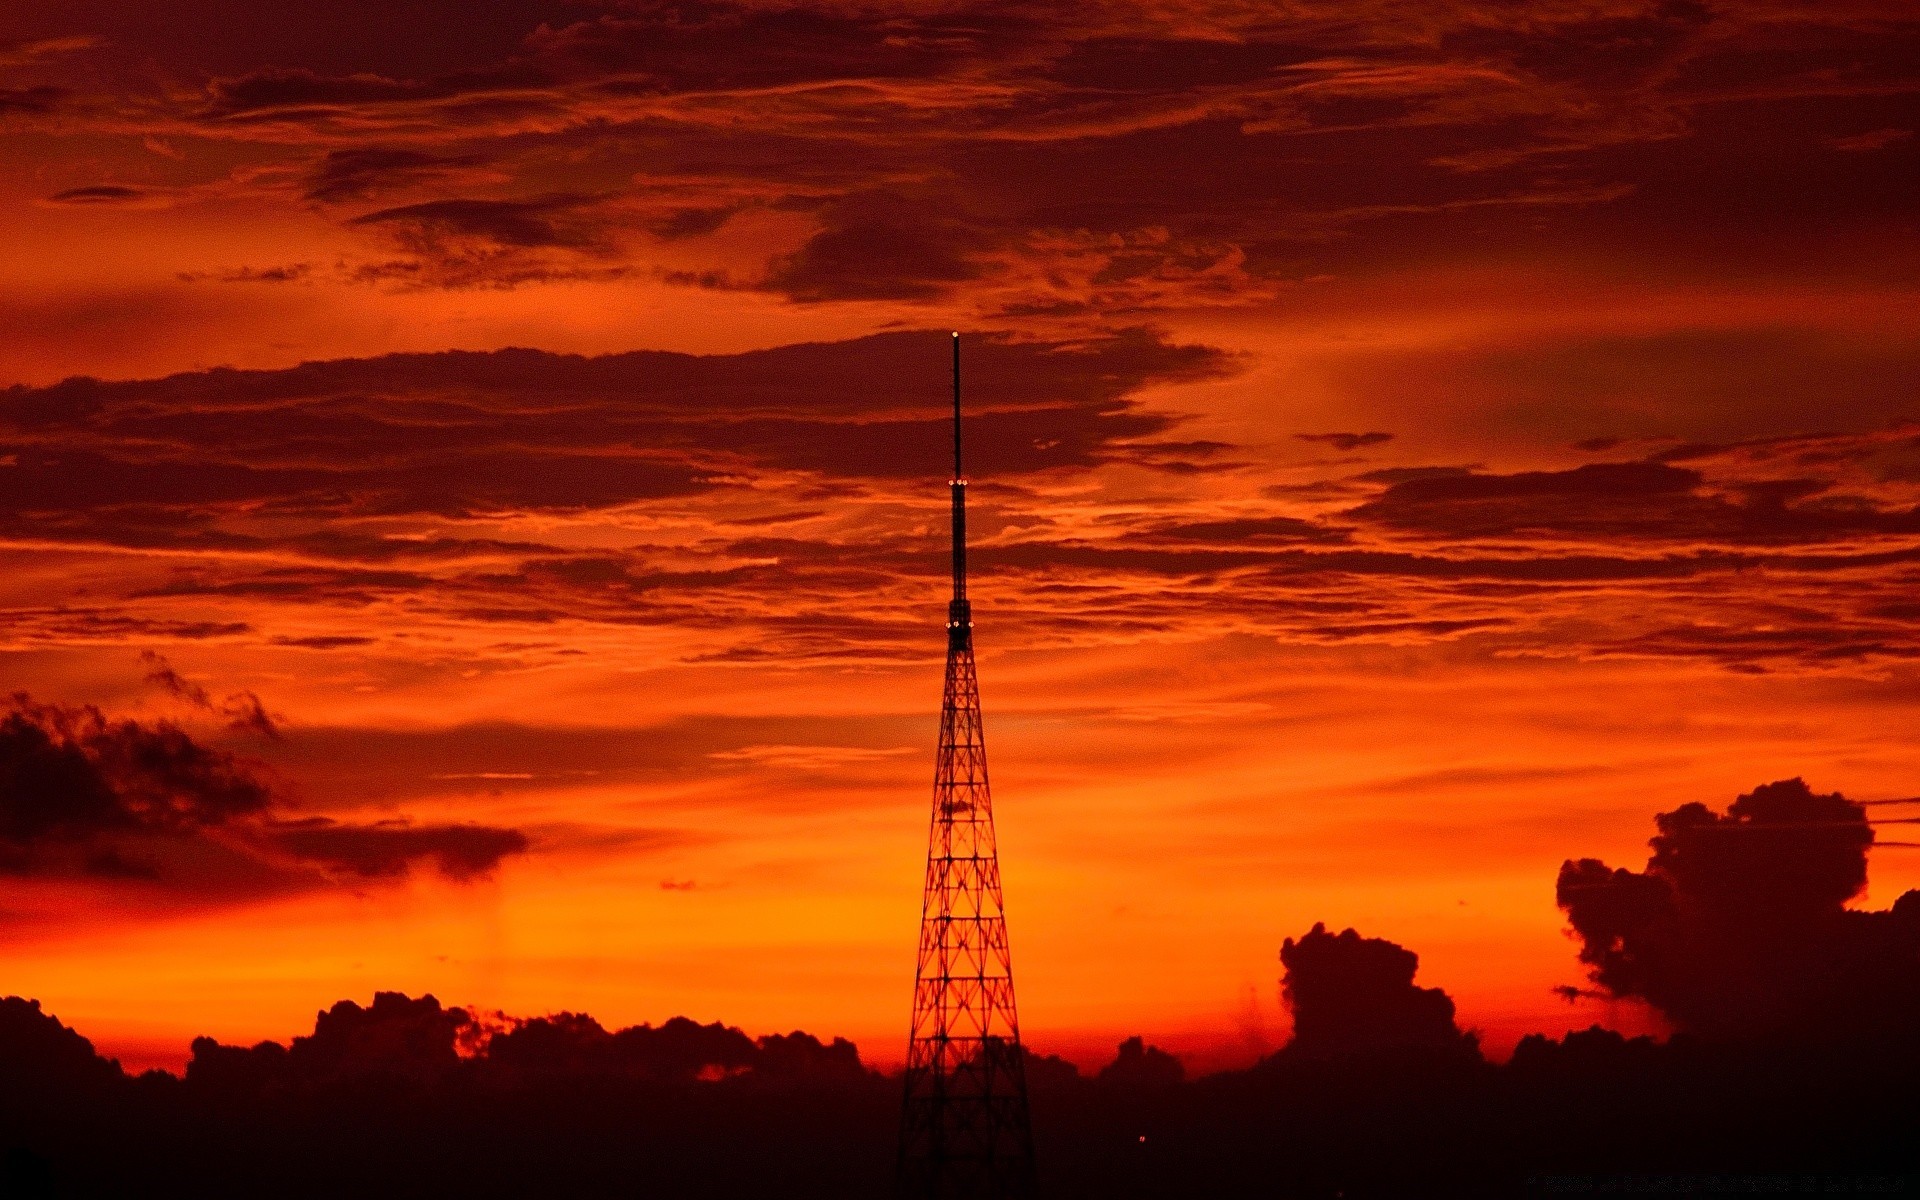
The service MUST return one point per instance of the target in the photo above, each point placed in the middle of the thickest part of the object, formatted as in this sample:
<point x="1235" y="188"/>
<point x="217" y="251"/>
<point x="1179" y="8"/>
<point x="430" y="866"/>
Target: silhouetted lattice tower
<point x="964" y="1130"/>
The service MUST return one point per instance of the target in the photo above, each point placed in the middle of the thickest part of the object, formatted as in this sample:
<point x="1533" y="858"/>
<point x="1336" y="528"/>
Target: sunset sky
<point x="1412" y="443"/>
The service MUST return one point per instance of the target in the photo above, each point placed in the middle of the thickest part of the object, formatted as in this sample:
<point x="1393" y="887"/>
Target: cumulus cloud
<point x="1738" y="925"/>
<point x="1139" y="1065"/>
<point x="1353" y="995"/>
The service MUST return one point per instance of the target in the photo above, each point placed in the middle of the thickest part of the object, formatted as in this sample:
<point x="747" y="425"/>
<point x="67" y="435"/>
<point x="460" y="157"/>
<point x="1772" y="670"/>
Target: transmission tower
<point x="965" y="1132"/>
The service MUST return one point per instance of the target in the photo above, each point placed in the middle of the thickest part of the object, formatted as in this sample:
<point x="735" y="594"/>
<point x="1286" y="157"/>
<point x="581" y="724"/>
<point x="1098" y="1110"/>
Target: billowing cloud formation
<point x="123" y="801"/>
<point x="1352" y="995"/>
<point x="74" y="780"/>
<point x="1738" y="926"/>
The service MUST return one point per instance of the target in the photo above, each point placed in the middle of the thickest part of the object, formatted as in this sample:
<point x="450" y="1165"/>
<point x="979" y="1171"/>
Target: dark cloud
<point x="98" y="194"/>
<point x="39" y="1054"/>
<point x="461" y="433"/>
<point x="287" y="273"/>
<point x="403" y="1039"/>
<point x="300" y="91"/>
<point x="495" y="243"/>
<point x="324" y="641"/>
<point x="881" y="248"/>
<point x="354" y="174"/>
<point x="1255" y="530"/>
<point x="1347" y="441"/>
<point x="523" y="223"/>
<point x="73" y="776"/>
<point x="1355" y="996"/>
<point x="1632" y="501"/>
<point x="1138" y="1065"/>
<point x="164" y="676"/>
<point x="1738" y="926"/>
<point x="244" y="710"/>
<point x="31" y="101"/>
<point x="388" y="849"/>
<point x="124" y="801"/>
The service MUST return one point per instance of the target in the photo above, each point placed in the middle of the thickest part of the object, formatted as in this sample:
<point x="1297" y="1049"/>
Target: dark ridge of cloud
<point x="495" y="243"/>
<point x="77" y="623"/>
<point x="132" y="802"/>
<point x="538" y="222"/>
<point x="1813" y="639"/>
<point x="388" y="849"/>
<point x="1255" y="530"/>
<point x="351" y="586"/>
<point x="1738" y="926"/>
<point x="1354" y="996"/>
<point x="294" y="94"/>
<point x="354" y="174"/>
<point x="1347" y="441"/>
<point x="32" y="101"/>
<point x="286" y="273"/>
<point x="1394" y="475"/>
<point x="98" y="194"/>
<point x="881" y="247"/>
<point x="1634" y="501"/>
<point x="690" y="222"/>
<point x="324" y="641"/>
<point x="462" y="433"/>
<point x="1538" y="567"/>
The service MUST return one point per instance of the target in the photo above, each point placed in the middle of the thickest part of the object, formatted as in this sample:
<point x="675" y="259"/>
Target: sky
<point x="494" y="455"/>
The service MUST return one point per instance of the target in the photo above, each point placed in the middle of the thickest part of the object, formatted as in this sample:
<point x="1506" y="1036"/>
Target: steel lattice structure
<point x="965" y="1131"/>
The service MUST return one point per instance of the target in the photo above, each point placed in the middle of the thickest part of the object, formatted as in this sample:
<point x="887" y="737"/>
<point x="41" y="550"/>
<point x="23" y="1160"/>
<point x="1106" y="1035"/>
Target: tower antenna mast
<point x="965" y="1132"/>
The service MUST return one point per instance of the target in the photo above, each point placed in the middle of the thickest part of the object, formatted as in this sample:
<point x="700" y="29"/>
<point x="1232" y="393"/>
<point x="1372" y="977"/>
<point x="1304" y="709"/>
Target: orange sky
<point x="1413" y="445"/>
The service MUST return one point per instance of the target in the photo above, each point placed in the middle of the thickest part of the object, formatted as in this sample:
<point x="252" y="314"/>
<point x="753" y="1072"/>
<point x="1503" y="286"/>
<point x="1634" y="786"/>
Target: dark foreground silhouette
<point x="1795" y="1073"/>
